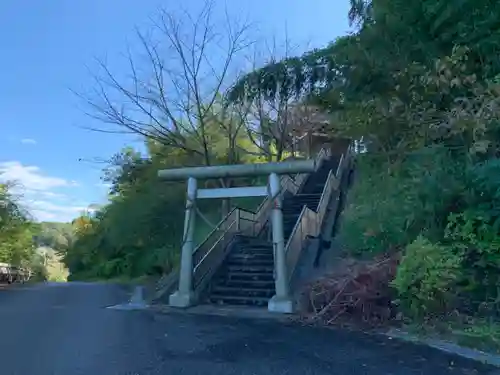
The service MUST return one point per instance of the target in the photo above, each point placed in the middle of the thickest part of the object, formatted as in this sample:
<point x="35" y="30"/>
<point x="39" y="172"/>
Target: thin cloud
<point x="52" y="207"/>
<point x="31" y="177"/>
<point x="51" y="194"/>
<point x="49" y="211"/>
<point x="28" y="141"/>
<point x="41" y="215"/>
<point x="38" y="191"/>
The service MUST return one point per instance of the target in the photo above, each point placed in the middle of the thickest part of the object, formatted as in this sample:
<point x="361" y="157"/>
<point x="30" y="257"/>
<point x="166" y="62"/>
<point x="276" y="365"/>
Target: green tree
<point x="16" y="230"/>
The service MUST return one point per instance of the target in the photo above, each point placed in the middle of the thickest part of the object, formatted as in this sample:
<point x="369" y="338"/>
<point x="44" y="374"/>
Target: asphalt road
<point x="66" y="329"/>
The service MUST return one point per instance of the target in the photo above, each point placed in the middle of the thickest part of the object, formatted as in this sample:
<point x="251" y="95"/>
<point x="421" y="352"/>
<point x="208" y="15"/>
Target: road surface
<point x="66" y="329"/>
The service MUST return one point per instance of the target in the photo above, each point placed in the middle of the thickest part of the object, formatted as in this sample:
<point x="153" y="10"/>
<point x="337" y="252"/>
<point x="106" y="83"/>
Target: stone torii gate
<point x="184" y="296"/>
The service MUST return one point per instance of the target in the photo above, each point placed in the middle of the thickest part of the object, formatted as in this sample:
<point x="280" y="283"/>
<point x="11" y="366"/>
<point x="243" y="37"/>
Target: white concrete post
<point x="184" y="296"/>
<point x="281" y="302"/>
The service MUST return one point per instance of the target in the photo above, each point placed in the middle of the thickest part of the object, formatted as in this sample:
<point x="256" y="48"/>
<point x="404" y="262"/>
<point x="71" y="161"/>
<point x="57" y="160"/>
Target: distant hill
<point x="57" y="236"/>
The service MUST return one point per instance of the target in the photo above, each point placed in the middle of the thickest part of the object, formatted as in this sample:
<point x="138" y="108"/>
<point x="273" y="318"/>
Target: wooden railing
<point x="306" y="225"/>
<point x="332" y="184"/>
<point x="310" y="222"/>
<point x="210" y="253"/>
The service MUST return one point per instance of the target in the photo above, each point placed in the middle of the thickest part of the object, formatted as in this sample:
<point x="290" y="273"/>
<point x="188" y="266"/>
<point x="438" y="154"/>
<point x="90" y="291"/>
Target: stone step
<point x="249" y="283"/>
<point x="250" y="268"/>
<point x="296" y="198"/>
<point x="250" y="276"/>
<point x="228" y="291"/>
<point x="297" y="207"/>
<point x="288" y="206"/>
<point x="261" y="247"/>
<point x="250" y="252"/>
<point x="255" y="262"/>
<point x="234" y="300"/>
<point x="290" y="218"/>
<point x="268" y="256"/>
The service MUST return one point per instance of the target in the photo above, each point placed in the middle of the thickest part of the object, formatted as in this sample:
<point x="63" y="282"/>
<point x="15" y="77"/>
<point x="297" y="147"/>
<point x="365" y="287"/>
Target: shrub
<point x="392" y="203"/>
<point x="426" y="277"/>
<point x="474" y="234"/>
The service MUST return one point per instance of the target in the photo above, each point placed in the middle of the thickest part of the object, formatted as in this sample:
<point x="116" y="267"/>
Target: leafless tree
<point x="174" y="91"/>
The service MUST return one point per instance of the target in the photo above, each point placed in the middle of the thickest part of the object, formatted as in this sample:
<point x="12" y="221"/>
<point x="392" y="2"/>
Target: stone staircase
<point x="246" y="276"/>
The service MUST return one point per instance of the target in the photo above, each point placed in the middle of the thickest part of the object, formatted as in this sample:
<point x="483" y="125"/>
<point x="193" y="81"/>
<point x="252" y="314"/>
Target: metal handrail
<point x="213" y="231"/>
<point x="229" y="219"/>
<point x="246" y="210"/>
<point x="306" y="225"/>
<point x="204" y="267"/>
<point x="169" y="281"/>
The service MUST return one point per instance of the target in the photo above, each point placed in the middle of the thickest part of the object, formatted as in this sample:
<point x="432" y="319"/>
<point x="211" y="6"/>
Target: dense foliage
<point x="427" y="185"/>
<point x="16" y="230"/>
<point x="139" y="232"/>
<point x="418" y="82"/>
<point x="21" y="239"/>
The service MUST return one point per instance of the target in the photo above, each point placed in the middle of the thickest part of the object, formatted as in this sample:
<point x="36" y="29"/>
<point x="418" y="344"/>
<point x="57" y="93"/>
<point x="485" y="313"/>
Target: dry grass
<point x="358" y="292"/>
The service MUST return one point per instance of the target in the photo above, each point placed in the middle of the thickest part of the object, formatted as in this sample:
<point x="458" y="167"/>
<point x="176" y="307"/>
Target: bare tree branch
<point x="171" y="96"/>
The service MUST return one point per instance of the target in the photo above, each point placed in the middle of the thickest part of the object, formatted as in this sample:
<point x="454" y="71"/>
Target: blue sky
<point x="47" y="49"/>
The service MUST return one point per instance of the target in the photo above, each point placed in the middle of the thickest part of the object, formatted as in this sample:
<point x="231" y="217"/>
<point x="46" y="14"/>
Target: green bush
<point x="475" y="235"/>
<point x="392" y="203"/>
<point x="464" y="269"/>
<point x="426" y="277"/>
<point x="483" y="182"/>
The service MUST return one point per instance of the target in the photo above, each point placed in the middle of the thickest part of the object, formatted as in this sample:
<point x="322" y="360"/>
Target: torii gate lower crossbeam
<point x="185" y="296"/>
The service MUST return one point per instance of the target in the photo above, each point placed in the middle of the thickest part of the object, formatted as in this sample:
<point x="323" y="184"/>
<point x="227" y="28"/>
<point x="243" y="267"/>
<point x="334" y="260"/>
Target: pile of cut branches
<point x="359" y="292"/>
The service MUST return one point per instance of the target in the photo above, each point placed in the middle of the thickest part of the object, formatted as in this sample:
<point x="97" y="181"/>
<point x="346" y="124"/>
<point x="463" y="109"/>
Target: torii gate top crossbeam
<point x="239" y="170"/>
